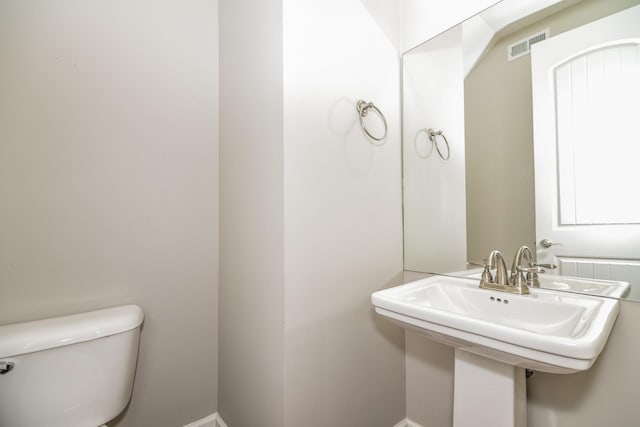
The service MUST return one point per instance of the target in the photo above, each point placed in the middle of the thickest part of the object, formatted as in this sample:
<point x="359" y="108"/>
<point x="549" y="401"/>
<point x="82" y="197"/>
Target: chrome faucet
<point x="501" y="281"/>
<point x="516" y="282"/>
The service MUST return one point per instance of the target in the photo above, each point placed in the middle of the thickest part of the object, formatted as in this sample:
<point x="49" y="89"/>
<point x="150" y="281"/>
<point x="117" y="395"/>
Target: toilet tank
<point x="69" y="371"/>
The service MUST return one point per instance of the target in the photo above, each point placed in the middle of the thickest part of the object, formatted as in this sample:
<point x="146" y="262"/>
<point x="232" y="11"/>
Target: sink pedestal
<point x="488" y="392"/>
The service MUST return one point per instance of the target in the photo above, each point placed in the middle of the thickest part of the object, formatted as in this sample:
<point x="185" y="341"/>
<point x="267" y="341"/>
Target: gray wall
<point x="108" y="181"/>
<point x="251" y="214"/>
<point x="344" y="365"/>
<point x="499" y="155"/>
<point x="310" y="218"/>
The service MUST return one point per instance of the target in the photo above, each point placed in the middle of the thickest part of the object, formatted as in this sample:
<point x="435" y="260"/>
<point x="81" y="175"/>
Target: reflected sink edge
<point x="586" y="286"/>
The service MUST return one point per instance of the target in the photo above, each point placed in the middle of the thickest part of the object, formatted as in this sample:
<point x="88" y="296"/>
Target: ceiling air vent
<point x="523" y="47"/>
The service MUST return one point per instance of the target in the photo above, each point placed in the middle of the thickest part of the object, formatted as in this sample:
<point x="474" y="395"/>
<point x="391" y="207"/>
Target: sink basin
<point x="599" y="287"/>
<point x="547" y="330"/>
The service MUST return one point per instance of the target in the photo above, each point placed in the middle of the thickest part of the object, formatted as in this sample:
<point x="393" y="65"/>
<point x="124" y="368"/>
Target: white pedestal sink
<point x="497" y="336"/>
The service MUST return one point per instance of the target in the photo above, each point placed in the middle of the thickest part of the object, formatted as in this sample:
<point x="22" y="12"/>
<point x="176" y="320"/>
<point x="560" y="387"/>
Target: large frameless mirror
<point x="520" y="127"/>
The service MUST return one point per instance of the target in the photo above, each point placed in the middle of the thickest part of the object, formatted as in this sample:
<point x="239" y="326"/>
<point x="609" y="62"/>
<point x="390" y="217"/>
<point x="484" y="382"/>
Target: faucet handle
<point x="486" y="273"/>
<point x="521" y="282"/>
<point x="532" y="273"/>
<point x="486" y="276"/>
<point x="549" y="266"/>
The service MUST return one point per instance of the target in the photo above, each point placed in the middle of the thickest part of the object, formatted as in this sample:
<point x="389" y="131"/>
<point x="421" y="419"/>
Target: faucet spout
<point x="496" y="260"/>
<point x="516" y="283"/>
<point x="523" y="253"/>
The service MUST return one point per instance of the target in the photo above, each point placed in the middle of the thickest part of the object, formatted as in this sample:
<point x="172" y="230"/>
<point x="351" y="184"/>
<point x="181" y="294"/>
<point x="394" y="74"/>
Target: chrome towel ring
<point x="433" y="137"/>
<point x="363" y="108"/>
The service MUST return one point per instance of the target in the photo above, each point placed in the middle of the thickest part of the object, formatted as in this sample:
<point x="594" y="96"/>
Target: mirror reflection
<point x="520" y="127"/>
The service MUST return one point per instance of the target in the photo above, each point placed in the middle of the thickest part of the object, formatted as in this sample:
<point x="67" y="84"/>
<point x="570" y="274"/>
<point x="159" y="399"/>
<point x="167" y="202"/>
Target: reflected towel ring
<point x="415" y="144"/>
<point x="433" y="135"/>
<point x="363" y="108"/>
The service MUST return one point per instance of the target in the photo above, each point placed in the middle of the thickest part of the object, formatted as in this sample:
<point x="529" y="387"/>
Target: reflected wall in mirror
<point x="579" y="155"/>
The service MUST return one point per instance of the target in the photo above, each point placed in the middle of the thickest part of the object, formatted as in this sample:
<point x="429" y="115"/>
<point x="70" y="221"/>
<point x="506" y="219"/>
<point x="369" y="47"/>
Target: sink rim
<point x="585" y="347"/>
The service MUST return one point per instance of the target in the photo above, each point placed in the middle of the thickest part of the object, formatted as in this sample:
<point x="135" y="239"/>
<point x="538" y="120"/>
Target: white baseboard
<point x="220" y="421"/>
<point x="213" y="420"/>
<point x="407" y="423"/>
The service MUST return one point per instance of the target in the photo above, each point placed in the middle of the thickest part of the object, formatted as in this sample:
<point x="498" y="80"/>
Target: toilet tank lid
<point x="29" y="337"/>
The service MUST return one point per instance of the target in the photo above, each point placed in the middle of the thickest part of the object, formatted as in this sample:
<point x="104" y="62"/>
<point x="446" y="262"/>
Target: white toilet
<point x="70" y="371"/>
